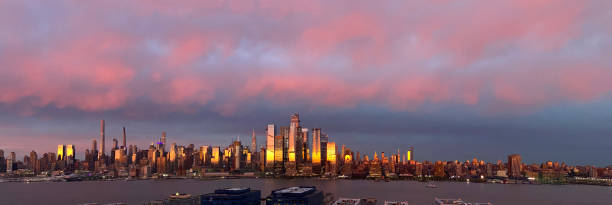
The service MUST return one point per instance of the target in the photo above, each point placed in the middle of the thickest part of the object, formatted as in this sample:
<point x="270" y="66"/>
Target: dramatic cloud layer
<point x="216" y="59"/>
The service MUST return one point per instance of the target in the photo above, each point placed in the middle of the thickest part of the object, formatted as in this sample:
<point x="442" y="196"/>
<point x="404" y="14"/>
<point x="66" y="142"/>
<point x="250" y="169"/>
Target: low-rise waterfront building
<point x="244" y="196"/>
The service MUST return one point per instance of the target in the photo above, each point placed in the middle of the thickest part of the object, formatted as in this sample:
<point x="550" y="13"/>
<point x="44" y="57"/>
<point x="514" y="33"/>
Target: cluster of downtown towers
<point x="289" y="150"/>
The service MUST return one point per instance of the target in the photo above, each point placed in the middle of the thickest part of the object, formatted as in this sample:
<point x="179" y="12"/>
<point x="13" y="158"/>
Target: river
<point x="142" y="191"/>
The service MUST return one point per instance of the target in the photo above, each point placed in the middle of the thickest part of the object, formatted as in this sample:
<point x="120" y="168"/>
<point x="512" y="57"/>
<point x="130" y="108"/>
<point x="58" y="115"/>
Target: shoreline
<point x="64" y="179"/>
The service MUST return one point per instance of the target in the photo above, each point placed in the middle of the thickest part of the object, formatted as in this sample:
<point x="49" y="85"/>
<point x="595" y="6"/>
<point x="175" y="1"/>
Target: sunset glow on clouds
<point x="222" y="56"/>
<point x="101" y="56"/>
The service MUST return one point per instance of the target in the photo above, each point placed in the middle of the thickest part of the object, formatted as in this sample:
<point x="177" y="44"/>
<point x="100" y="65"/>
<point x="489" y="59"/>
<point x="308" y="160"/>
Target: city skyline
<point x="80" y="154"/>
<point x="454" y="79"/>
<point x="295" y="153"/>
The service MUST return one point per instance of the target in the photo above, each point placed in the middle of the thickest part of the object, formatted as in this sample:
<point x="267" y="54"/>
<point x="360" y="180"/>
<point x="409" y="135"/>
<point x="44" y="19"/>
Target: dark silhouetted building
<point x="295" y="196"/>
<point x="244" y="196"/>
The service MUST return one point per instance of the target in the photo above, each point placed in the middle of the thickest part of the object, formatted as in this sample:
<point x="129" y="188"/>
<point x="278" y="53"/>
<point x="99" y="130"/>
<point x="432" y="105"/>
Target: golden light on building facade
<point x="215" y="156"/>
<point x="70" y="151"/>
<point x="331" y="152"/>
<point x="60" y="152"/>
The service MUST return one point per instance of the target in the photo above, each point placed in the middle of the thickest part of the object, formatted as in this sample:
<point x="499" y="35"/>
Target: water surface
<point x="139" y="192"/>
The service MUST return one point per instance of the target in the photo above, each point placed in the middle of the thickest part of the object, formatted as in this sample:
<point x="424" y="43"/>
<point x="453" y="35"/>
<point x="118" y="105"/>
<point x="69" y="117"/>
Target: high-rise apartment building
<point x="316" y="146"/>
<point x="253" y="143"/>
<point x="33" y="162"/>
<point x="514" y="166"/>
<point x="70" y="151"/>
<point x="94" y="145"/>
<point x="293" y="134"/>
<point x="236" y="152"/>
<point x="60" y="152"/>
<point x="101" y="151"/>
<point x="10" y="162"/>
<point x="163" y="141"/>
<point x="331" y="157"/>
<point x="324" y="140"/>
<point x="304" y="152"/>
<point x="204" y="154"/>
<point x="409" y="154"/>
<point x="215" y="157"/>
<point x="278" y="149"/>
<point x="124" y="140"/>
<point x="270" y="149"/>
<point x="284" y="131"/>
<point x="115" y="144"/>
<point x="173" y="152"/>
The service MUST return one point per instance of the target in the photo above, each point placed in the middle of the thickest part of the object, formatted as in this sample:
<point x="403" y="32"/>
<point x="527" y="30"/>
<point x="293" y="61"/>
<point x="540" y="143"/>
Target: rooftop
<point x="235" y="190"/>
<point x="347" y="201"/>
<point x="457" y="202"/>
<point x="350" y="201"/>
<point x="396" y="203"/>
<point x="294" y="190"/>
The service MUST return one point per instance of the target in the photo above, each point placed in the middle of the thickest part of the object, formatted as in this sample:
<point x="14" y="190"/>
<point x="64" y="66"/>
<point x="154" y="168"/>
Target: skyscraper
<point x="163" y="141"/>
<point x="514" y="166"/>
<point x="32" y="163"/>
<point x="278" y="153"/>
<point x="304" y="145"/>
<point x="237" y="151"/>
<point x="124" y="140"/>
<point x="284" y="132"/>
<point x="293" y="132"/>
<point x="215" y="157"/>
<point x="270" y="133"/>
<point x="115" y="144"/>
<point x="409" y="154"/>
<point x="94" y="145"/>
<point x="205" y="152"/>
<point x="324" y="140"/>
<point x="316" y="146"/>
<point x="172" y="154"/>
<point x="70" y="150"/>
<point x="9" y="162"/>
<point x="331" y="157"/>
<point x="101" y="153"/>
<point x="253" y="143"/>
<point x="60" y="152"/>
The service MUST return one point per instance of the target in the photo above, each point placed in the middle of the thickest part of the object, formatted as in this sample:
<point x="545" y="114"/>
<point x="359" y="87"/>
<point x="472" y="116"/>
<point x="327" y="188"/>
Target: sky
<point x="453" y="79"/>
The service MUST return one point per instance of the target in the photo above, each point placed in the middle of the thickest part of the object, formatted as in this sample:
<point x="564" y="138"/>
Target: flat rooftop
<point x="396" y="203"/>
<point x="347" y="201"/>
<point x="237" y="189"/>
<point x="294" y="190"/>
<point x="450" y="201"/>
<point x="233" y="191"/>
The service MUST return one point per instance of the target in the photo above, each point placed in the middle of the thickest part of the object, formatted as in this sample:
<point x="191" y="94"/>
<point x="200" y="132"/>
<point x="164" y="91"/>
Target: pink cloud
<point x="585" y="82"/>
<point x="359" y="34"/>
<point x="338" y="55"/>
